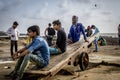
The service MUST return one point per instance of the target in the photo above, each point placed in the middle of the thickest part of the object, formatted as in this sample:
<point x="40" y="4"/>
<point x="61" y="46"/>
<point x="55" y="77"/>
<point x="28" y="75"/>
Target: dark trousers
<point x="13" y="43"/>
<point x="119" y="39"/>
<point x="49" y="40"/>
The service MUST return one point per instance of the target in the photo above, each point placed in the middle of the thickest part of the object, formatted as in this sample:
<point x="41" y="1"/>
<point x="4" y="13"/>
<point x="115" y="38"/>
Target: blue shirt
<point x="40" y="47"/>
<point x="96" y="31"/>
<point x="75" y="32"/>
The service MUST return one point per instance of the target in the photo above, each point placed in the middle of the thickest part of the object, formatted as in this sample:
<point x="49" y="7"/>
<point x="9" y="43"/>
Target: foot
<point x="16" y="78"/>
<point x="10" y="74"/>
<point x="95" y="51"/>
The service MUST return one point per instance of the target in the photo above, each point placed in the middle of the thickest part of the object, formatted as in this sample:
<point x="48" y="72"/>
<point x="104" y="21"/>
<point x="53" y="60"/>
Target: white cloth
<point x="11" y="31"/>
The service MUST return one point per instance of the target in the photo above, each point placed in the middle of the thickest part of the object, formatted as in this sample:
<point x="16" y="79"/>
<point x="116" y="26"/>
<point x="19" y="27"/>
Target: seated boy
<point x="60" y="46"/>
<point x="37" y="51"/>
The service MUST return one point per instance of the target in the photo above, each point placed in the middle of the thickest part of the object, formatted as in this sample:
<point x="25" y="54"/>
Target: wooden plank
<point x="57" y="62"/>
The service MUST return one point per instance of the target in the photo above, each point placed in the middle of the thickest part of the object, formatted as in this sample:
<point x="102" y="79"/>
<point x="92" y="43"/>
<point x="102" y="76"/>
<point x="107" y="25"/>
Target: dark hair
<point x="15" y="23"/>
<point x="56" y="22"/>
<point x="74" y="16"/>
<point x="34" y="28"/>
<point x="49" y="24"/>
<point x="93" y="26"/>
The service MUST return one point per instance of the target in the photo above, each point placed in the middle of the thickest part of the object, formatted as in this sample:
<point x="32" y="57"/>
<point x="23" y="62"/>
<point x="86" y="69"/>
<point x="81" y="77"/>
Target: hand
<point x="13" y="35"/>
<point x="86" y="41"/>
<point x="69" y="41"/>
<point x="15" y="55"/>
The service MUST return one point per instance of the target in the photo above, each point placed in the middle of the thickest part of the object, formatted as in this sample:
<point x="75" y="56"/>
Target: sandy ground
<point x="95" y="71"/>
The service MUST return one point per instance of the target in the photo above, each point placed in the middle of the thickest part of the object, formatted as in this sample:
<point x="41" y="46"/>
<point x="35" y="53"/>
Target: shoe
<point x="16" y="77"/>
<point x="10" y="74"/>
<point x="95" y="51"/>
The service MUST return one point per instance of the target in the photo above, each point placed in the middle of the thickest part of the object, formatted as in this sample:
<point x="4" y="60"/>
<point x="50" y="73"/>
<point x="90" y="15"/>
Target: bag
<point x="51" y="31"/>
<point x="102" y="41"/>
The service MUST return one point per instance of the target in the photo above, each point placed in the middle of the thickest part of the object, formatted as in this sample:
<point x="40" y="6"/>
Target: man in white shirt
<point x="13" y="34"/>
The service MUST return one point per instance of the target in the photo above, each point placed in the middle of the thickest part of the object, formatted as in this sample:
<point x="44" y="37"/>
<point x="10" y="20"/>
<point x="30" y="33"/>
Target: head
<point x="93" y="27"/>
<point x="56" y="24"/>
<point x="15" y="24"/>
<point x="88" y="27"/>
<point x="49" y="24"/>
<point x="74" y="19"/>
<point x="33" y="31"/>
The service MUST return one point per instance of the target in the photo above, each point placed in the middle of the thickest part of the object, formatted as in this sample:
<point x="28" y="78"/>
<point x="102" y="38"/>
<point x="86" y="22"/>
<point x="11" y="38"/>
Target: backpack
<point x="102" y="41"/>
<point x="51" y="31"/>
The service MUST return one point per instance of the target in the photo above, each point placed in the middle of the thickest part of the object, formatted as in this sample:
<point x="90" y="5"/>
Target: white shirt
<point x="11" y="31"/>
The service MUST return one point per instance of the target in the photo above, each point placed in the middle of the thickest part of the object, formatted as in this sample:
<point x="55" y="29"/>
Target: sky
<point x="105" y="15"/>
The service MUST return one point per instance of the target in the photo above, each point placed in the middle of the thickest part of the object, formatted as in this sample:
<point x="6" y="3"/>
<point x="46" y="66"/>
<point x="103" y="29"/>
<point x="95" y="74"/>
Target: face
<point x="74" y="20"/>
<point x="55" y="27"/>
<point x="14" y="26"/>
<point x="31" y="34"/>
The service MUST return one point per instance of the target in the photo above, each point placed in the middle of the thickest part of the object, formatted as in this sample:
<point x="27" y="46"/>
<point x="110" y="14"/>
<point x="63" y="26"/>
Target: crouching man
<point x="37" y="51"/>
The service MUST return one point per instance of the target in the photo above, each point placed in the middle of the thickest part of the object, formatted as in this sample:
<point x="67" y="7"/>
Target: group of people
<point x="38" y="50"/>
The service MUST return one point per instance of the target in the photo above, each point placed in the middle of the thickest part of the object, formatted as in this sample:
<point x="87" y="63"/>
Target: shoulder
<point x="79" y="24"/>
<point x="10" y="28"/>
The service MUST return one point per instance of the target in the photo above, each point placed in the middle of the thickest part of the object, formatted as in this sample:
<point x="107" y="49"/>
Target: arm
<point x="45" y="33"/>
<point x="9" y="32"/>
<point x="70" y="36"/>
<point x="83" y="32"/>
<point x="29" y="49"/>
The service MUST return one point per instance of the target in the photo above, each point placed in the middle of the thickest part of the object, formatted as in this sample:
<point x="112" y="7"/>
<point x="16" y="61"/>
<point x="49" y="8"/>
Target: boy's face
<point x="14" y="26"/>
<point x="55" y="27"/>
<point x="31" y="34"/>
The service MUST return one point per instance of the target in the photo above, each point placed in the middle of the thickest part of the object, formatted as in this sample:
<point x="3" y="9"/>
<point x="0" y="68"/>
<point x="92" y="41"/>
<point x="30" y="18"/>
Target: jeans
<point x="54" y="51"/>
<point x="13" y="43"/>
<point x="96" y="43"/>
<point x="22" y="63"/>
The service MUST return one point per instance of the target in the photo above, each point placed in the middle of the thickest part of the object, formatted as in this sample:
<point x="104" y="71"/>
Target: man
<point x="37" y="51"/>
<point x="88" y="31"/>
<point x="49" y="33"/>
<point x="119" y="34"/>
<point x="96" y="30"/>
<point x="13" y="34"/>
<point x="75" y="31"/>
<point x="60" y="46"/>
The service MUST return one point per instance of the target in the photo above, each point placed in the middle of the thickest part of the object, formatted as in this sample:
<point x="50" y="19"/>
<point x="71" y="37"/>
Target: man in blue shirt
<point x="75" y="31"/>
<point x="36" y="51"/>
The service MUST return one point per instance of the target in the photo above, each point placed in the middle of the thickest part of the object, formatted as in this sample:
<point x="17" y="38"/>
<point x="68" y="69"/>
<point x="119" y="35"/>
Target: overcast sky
<point x="105" y="15"/>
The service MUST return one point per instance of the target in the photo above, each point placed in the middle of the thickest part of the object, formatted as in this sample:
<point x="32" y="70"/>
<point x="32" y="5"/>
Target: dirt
<point x="95" y="71"/>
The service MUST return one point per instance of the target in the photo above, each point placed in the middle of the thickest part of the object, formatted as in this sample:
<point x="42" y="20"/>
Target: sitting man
<point x="60" y="46"/>
<point x="37" y="51"/>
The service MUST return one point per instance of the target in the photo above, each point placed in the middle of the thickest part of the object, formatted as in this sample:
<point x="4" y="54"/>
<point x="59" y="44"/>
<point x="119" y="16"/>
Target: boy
<point x="96" y="30"/>
<point x="49" y="34"/>
<point x="13" y="33"/>
<point x="60" y="46"/>
<point x="36" y="51"/>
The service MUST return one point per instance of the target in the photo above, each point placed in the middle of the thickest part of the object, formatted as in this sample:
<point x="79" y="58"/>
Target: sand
<point x="95" y="71"/>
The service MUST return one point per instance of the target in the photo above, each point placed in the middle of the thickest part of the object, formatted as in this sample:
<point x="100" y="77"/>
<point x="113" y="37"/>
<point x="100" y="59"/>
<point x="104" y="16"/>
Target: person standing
<point x="60" y="46"/>
<point x="13" y="33"/>
<point x="49" y="34"/>
<point x="88" y="31"/>
<point x="75" y="31"/>
<point x="119" y="34"/>
<point x="96" y="30"/>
